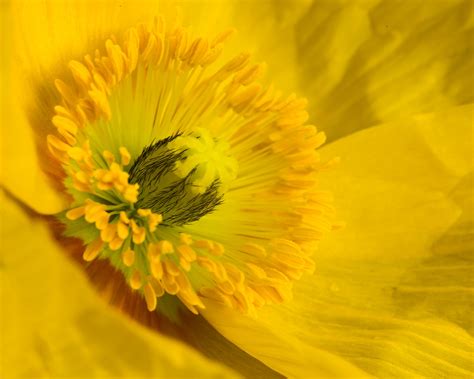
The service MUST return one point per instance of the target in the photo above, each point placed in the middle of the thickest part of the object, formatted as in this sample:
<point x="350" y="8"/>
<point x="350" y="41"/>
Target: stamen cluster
<point x="227" y="207"/>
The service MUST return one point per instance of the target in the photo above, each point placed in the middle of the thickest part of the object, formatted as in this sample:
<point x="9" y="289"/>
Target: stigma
<point x="188" y="175"/>
<point x="183" y="177"/>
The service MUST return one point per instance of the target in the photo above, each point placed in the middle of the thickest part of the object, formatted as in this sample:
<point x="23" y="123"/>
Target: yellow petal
<point x="19" y="172"/>
<point x="212" y="344"/>
<point x="368" y="302"/>
<point x="54" y="324"/>
<point x="267" y="30"/>
<point x="447" y="273"/>
<point x="368" y="62"/>
<point x="275" y="347"/>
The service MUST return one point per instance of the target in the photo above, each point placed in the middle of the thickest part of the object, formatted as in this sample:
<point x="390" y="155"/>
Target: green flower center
<point x="183" y="178"/>
<point x="190" y="177"/>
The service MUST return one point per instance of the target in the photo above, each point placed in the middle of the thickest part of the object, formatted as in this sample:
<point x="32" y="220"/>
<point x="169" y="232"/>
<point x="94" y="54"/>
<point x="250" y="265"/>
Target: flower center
<point x="183" y="178"/>
<point x="186" y="174"/>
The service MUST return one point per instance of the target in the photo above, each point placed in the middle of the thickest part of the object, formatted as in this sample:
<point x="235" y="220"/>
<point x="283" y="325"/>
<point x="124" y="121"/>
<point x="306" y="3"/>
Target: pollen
<point x="188" y="173"/>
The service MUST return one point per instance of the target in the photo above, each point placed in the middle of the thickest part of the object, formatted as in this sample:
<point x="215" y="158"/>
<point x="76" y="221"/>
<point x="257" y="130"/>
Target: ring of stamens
<point x="230" y="132"/>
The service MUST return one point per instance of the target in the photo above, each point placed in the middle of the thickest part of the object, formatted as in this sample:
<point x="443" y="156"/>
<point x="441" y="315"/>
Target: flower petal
<point x="393" y="191"/>
<point x="267" y="29"/>
<point x="447" y="273"/>
<point x="275" y="347"/>
<point x="374" y="61"/>
<point x="207" y="340"/>
<point x="54" y="324"/>
<point x="19" y="173"/>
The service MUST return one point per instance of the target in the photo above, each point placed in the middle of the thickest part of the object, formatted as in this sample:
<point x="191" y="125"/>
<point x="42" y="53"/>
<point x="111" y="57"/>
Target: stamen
<point x="150" y="297"/>
<point x="128" y="257"/>
<point x="136" y="280"/>
<point x="93" y="250"/>
<point x="187" y="174"/>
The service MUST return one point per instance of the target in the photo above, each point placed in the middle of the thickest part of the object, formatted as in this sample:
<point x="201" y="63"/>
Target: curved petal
<point x="274" y="346"/>
<point x="367" y="302"/>
<point x="207" y="340"/>
<point x="19" y="171"/>
<point x="371" y="62"/>
<point x="54" y="324"/>
<point x="447" y="273"/>
<point x="19" y="161"/>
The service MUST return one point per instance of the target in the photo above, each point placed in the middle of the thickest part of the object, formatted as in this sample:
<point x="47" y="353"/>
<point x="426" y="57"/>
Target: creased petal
<point x="55" y="325"/>
<point x="394" y="189"/>
<point x="207" y="340"/>
<point x="275" y="347"/>
<point x="371" y="62"/>
<point x="447" y="273"/>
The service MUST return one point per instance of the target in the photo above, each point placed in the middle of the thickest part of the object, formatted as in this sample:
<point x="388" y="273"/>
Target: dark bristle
<point x="166" y="194"/>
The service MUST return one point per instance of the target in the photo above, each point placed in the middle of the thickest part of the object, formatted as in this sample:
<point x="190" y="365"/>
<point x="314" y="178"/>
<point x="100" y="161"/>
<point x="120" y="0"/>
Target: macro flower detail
<point x="187" y="174"/>
<point x="165" y="210"/>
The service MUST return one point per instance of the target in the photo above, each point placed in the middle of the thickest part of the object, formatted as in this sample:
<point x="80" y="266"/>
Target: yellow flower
<point x="190" y="194"/>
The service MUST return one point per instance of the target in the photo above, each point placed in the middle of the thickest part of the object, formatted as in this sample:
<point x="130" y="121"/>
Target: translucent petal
<point x="380" y="297"/>
<point x="206" y="339"/>
<point x="363" y="63"/>
<point x="54" y="324"/>
<point x="447" y="273"/>
<point x="274" y="346"/>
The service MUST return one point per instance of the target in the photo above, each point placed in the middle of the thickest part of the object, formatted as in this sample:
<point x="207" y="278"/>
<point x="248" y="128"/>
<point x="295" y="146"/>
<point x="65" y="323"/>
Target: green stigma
<point x="183" y="177"/>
